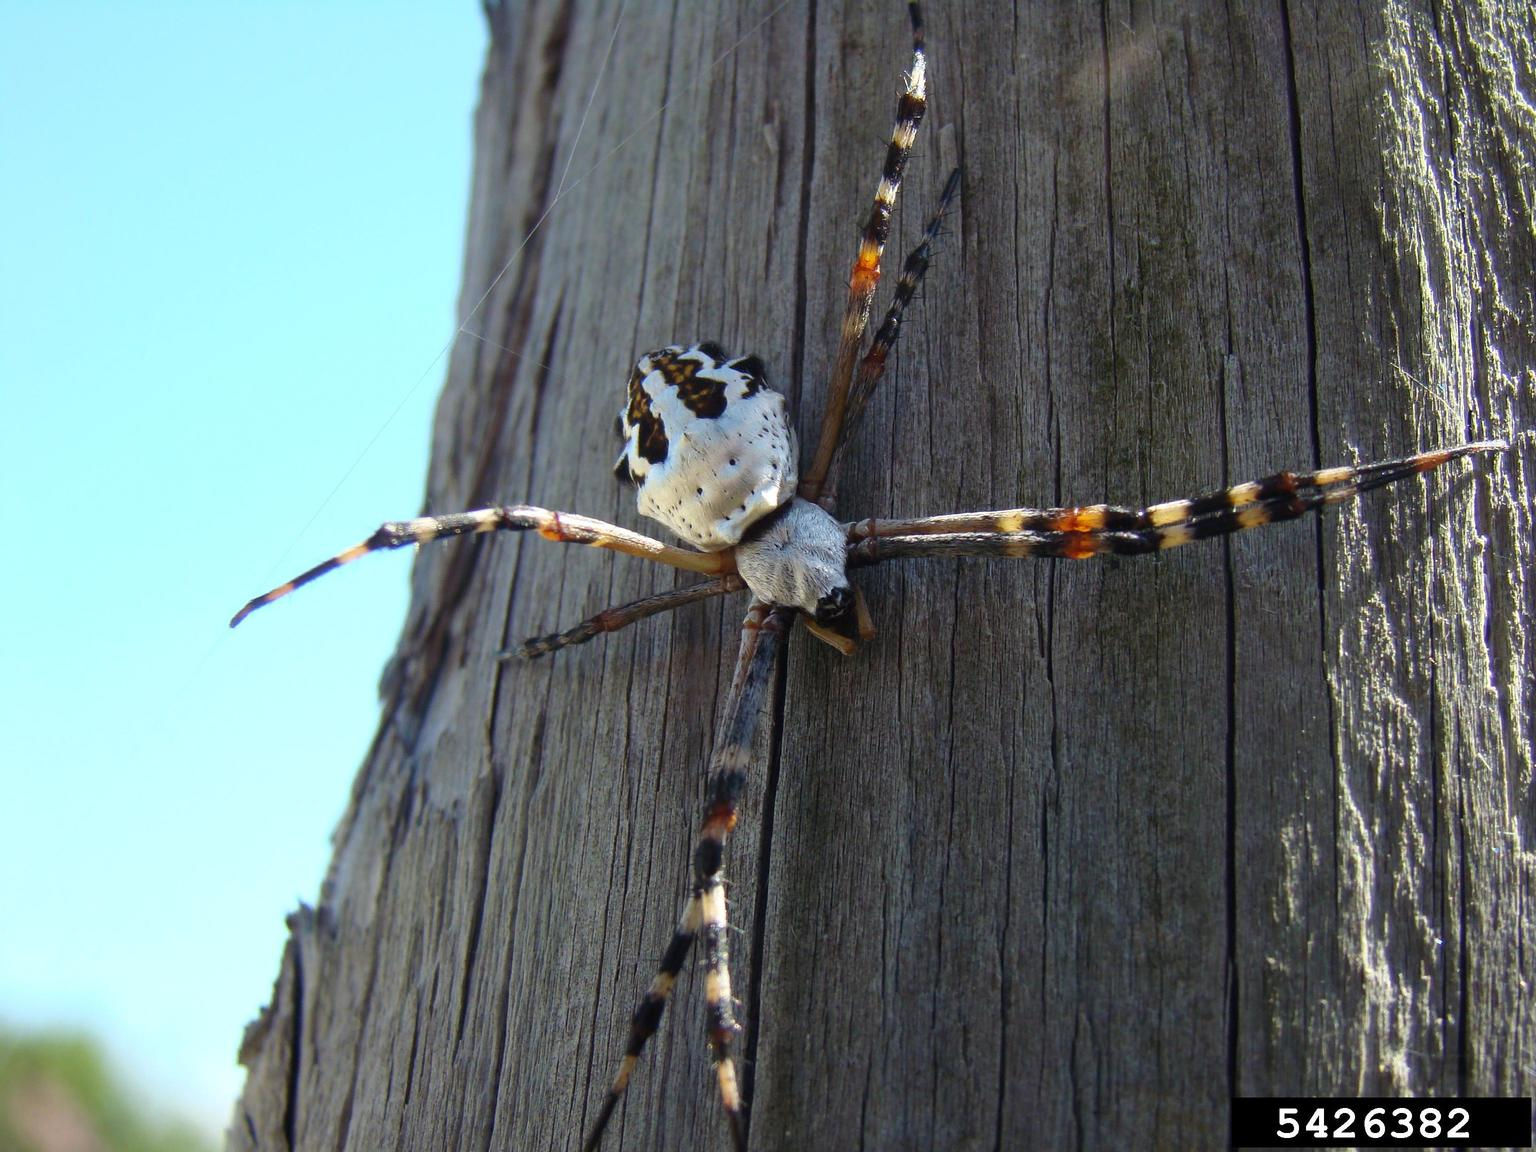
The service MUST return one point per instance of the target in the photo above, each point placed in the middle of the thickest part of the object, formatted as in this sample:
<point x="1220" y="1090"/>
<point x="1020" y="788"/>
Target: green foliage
<point x="58" y="1090"/>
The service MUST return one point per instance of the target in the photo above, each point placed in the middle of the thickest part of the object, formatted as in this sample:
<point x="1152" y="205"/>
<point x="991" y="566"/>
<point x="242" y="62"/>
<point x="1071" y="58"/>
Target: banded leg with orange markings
<point x="872" y="366"/>
<point x="562" y="527"/>
<point x="705" y="916"/>
<point x="1097" y="529"/>
<point x="865" y="276"/>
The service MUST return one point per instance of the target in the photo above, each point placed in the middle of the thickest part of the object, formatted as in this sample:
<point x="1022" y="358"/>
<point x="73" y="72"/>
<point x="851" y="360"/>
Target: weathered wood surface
<point x="1070" y="853"/>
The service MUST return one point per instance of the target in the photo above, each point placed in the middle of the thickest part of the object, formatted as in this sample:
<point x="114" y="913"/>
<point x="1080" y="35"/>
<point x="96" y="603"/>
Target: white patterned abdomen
<point x="707" y="442"/>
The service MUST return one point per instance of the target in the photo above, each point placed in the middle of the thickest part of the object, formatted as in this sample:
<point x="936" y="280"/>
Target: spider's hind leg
<point x="865" y="276"/>
<point x="872" y="366"/>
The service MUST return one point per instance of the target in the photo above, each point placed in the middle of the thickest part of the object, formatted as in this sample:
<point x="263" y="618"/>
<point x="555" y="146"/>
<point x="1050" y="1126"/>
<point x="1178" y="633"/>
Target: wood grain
<point x="1071" y="853"/>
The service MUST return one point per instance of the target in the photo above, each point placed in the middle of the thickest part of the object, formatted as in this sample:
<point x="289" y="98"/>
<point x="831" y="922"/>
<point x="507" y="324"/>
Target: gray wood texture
<point x="1070" y="853"/>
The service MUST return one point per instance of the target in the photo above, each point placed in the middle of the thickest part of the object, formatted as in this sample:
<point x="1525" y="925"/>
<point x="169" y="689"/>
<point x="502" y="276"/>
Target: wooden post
<point x="1071" y="853"/>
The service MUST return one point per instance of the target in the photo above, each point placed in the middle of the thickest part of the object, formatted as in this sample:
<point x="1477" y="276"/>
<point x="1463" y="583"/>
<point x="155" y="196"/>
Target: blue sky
<point x="230" y="239"/>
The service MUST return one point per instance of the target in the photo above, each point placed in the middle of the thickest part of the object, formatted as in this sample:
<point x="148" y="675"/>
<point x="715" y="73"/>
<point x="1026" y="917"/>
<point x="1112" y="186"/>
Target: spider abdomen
<point x="707" y="442"/>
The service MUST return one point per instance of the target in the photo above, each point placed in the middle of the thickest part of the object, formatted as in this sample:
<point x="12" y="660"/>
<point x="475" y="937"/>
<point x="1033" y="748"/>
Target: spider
<point x="709" y="446"/>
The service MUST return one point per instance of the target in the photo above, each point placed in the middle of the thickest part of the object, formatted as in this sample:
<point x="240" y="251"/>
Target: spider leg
<point x="761" y="632"/>
<point x="1092" y="530"/>
<point x="647" y="1017"/>
<point x="866" y="266"/>
<point x="559" y="526"/>
<point x="705" y="913"/>
<point x="872" y="366"/>
<point x="612" y="619"/>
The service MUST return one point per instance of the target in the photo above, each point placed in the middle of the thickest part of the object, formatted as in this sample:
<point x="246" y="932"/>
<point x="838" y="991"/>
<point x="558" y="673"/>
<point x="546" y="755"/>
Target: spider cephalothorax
<point x="710" y="449"/>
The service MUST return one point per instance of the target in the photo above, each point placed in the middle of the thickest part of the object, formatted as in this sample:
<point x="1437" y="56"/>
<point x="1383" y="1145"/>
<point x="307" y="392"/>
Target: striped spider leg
<point x="1101" y="529"/>
<point x="865" y="276"/>
<point x="563" y="527"/>
<point x="704" y="914"/>
<point x="623" y="615"/>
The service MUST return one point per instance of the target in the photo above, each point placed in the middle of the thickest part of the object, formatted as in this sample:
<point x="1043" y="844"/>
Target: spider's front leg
<point x="705" y="912"/>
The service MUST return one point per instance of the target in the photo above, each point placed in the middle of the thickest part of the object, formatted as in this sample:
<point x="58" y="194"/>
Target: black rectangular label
<point x="1381" y="1122"/>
